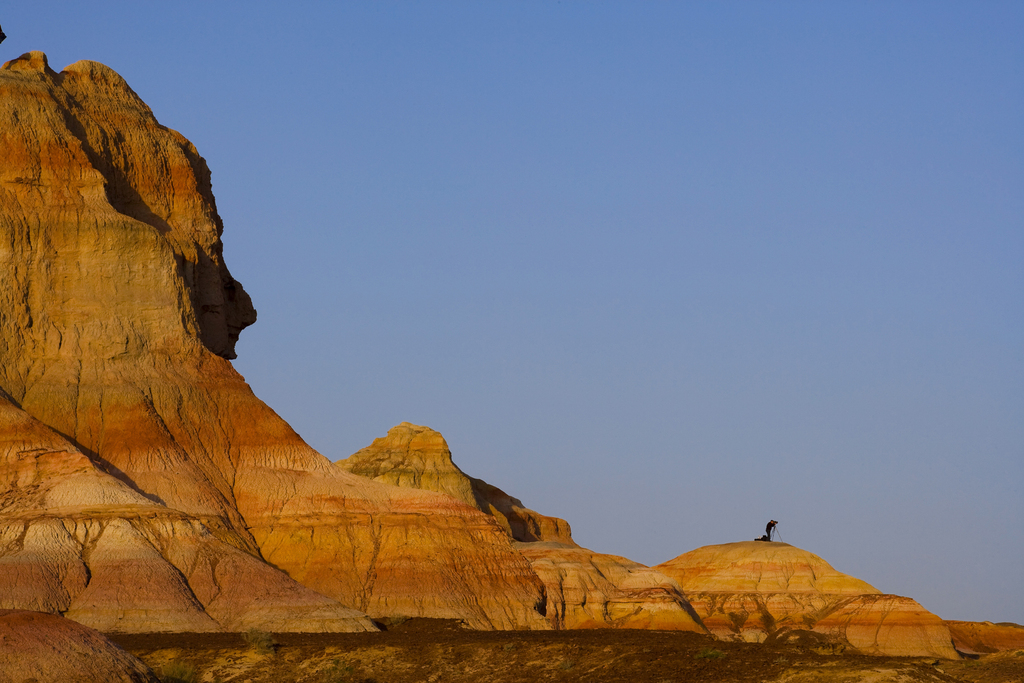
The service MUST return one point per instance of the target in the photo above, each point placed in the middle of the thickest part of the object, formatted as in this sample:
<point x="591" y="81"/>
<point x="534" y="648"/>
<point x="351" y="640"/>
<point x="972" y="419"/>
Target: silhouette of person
<point x="769" y="528"/>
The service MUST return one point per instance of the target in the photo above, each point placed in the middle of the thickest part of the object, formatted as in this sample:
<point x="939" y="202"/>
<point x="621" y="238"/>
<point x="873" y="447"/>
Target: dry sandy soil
<point x="439" y="651"/>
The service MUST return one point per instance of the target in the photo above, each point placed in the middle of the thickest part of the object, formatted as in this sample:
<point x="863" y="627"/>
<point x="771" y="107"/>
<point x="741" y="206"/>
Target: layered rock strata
<point x="118" y="318"/>
<point x="45" y="647"/>
<point x="753" y="590"/>
<point x="593" y="590"/>
<point x="584" y="589"/>
<point x="984" y="637"/>
<point x="76" y="541"/>
<point x="418" y="457"/>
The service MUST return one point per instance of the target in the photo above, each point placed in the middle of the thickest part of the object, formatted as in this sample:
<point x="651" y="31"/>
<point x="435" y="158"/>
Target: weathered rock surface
<point x="984" y="637"/>
<point x="584" y="589"/>
<point x="414" y="457"/>
<point x="418" y="457"/>
<point x="117" y="320"/>
<point x="753" y="590"/>
<point x="395" y="552"/>
<point x="74" y="540"/>
<point x="592" y="590"/>
<point x="45" y="647"/>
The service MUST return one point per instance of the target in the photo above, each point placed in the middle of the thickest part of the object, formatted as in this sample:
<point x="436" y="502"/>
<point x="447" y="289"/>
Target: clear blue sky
<point x="665" y="270"/>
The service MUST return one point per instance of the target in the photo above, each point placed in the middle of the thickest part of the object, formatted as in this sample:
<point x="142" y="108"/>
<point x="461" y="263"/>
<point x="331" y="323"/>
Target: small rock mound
<point x="984" y="637"/>
<point x="45" y="647"/>
<point x="754" y="591"/>
<point x="30" y="61"/>
<point x="753" y="567"/>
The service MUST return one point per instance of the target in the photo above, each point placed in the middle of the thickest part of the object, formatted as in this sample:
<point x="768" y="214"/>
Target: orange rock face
<point x="752" y="590"/>
<point x="118" y="318"/>
<point x="584" y="589"/>
<point x="984" y="637"/>
<point x="418" y="457"/>
<point x="74" y="540"/>
<point x="44" y="647"/>
<point x="389" y="551"/>
<point x="591" y="590"/>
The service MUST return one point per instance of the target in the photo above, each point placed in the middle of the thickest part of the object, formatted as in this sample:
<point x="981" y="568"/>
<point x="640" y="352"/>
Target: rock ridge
<point x="583" y="589"/>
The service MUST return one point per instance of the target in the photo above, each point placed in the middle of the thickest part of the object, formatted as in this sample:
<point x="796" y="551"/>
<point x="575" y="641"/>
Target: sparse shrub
<point x="260" y="641"/>
<point x="567" y="664"/>
<point x="338" y="671"/>
<point x="508" y="646"/>
<point x="709" y="653"/>
<point x="178" y="672"/>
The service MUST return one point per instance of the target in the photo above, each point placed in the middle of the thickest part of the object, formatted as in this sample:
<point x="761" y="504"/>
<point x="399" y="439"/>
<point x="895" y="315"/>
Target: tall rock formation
<point x="118" y="318"/>
<point x="755" y="590"/>
<point x="584" y="589"/>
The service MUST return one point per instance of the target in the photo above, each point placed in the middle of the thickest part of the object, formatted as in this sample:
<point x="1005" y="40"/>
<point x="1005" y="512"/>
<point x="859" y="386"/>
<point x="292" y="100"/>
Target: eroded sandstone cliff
<point x="117" y="320"/>
<point x="76" y="541"/>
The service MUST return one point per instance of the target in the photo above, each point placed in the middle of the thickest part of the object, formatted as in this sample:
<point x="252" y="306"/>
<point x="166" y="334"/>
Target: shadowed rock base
<point x="984" y="637"/>
<point x="43" y="647"/>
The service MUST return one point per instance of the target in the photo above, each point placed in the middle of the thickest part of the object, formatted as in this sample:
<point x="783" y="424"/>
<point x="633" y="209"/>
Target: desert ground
<point x="439" y="651"/>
